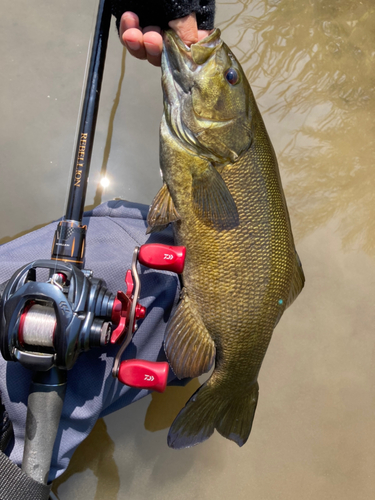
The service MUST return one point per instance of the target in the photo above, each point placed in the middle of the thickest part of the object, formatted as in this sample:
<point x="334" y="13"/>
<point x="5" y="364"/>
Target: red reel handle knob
<point x="165" y="257"/>
<point x="144" y="374"/>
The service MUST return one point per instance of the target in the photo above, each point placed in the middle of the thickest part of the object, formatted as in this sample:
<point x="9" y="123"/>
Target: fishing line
<point x="39" y="326"/>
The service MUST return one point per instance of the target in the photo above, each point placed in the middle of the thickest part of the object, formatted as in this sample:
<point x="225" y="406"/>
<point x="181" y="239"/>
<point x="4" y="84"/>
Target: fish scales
<point x="241" y="271"/>
<point x="254" y="244"/>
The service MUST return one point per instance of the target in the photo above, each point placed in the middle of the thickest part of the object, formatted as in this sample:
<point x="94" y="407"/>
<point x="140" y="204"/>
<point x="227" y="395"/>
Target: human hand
<point x="147" y="43"/>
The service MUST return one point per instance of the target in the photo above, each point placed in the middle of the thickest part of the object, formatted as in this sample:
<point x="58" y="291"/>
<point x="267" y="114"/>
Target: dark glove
<point x="160" y="12"/>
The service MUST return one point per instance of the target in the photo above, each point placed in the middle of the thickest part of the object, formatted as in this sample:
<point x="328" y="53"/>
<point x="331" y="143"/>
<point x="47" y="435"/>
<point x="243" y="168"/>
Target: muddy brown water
<point x="310" y="64"/>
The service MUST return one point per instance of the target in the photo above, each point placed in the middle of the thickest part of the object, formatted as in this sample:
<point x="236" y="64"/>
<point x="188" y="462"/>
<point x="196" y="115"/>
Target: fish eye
<point x="232" y="76"/>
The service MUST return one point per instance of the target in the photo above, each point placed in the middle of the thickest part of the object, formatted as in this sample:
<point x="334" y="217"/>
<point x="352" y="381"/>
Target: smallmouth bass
<point x="222" y="193"/>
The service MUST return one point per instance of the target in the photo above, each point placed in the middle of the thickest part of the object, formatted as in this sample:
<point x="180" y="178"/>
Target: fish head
<point x="207" y="98"/>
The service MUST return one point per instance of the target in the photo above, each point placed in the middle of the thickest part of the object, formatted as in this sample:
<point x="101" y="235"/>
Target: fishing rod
<point x="45" y="325"/>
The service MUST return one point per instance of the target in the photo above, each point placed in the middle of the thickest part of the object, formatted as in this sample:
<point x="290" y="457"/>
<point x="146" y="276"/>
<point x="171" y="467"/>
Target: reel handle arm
<point x="139" y="373"/>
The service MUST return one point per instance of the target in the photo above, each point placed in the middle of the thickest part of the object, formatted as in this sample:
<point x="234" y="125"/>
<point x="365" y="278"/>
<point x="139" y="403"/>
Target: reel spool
<point x="37" y="325"/>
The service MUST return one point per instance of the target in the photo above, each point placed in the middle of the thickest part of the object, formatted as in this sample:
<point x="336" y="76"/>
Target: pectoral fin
<point x="189" y="347"/>
<point x="213" y="202"/>
<point x="162" y="211"/>
<point x="297" y="282"/>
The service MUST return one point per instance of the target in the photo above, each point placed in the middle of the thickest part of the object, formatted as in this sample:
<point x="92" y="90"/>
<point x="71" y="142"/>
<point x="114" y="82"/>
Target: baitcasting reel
<point x="48" y="324"/>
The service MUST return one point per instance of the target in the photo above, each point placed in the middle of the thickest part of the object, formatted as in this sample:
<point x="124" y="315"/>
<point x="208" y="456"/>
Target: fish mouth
<point x="180" y="66"/>
<point x="197" y="53"/>
<point x="181" y="62"/>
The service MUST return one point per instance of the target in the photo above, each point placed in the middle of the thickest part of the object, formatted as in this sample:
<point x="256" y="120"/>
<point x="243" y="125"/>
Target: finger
<point x="186" y="28"/>
<point x="131" y="35"/>
<point x="128" y="20"/>
<point x="153" y="43"/>
<point x="133" y="40"/>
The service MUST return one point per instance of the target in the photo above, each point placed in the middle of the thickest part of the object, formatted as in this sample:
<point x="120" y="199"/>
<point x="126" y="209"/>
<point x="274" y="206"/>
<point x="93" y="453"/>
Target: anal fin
<point x="189" y="347"/>
<point x="162" y="211"/>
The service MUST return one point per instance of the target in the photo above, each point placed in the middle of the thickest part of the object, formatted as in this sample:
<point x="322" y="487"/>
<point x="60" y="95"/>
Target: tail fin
<point x="210" y="408"/>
